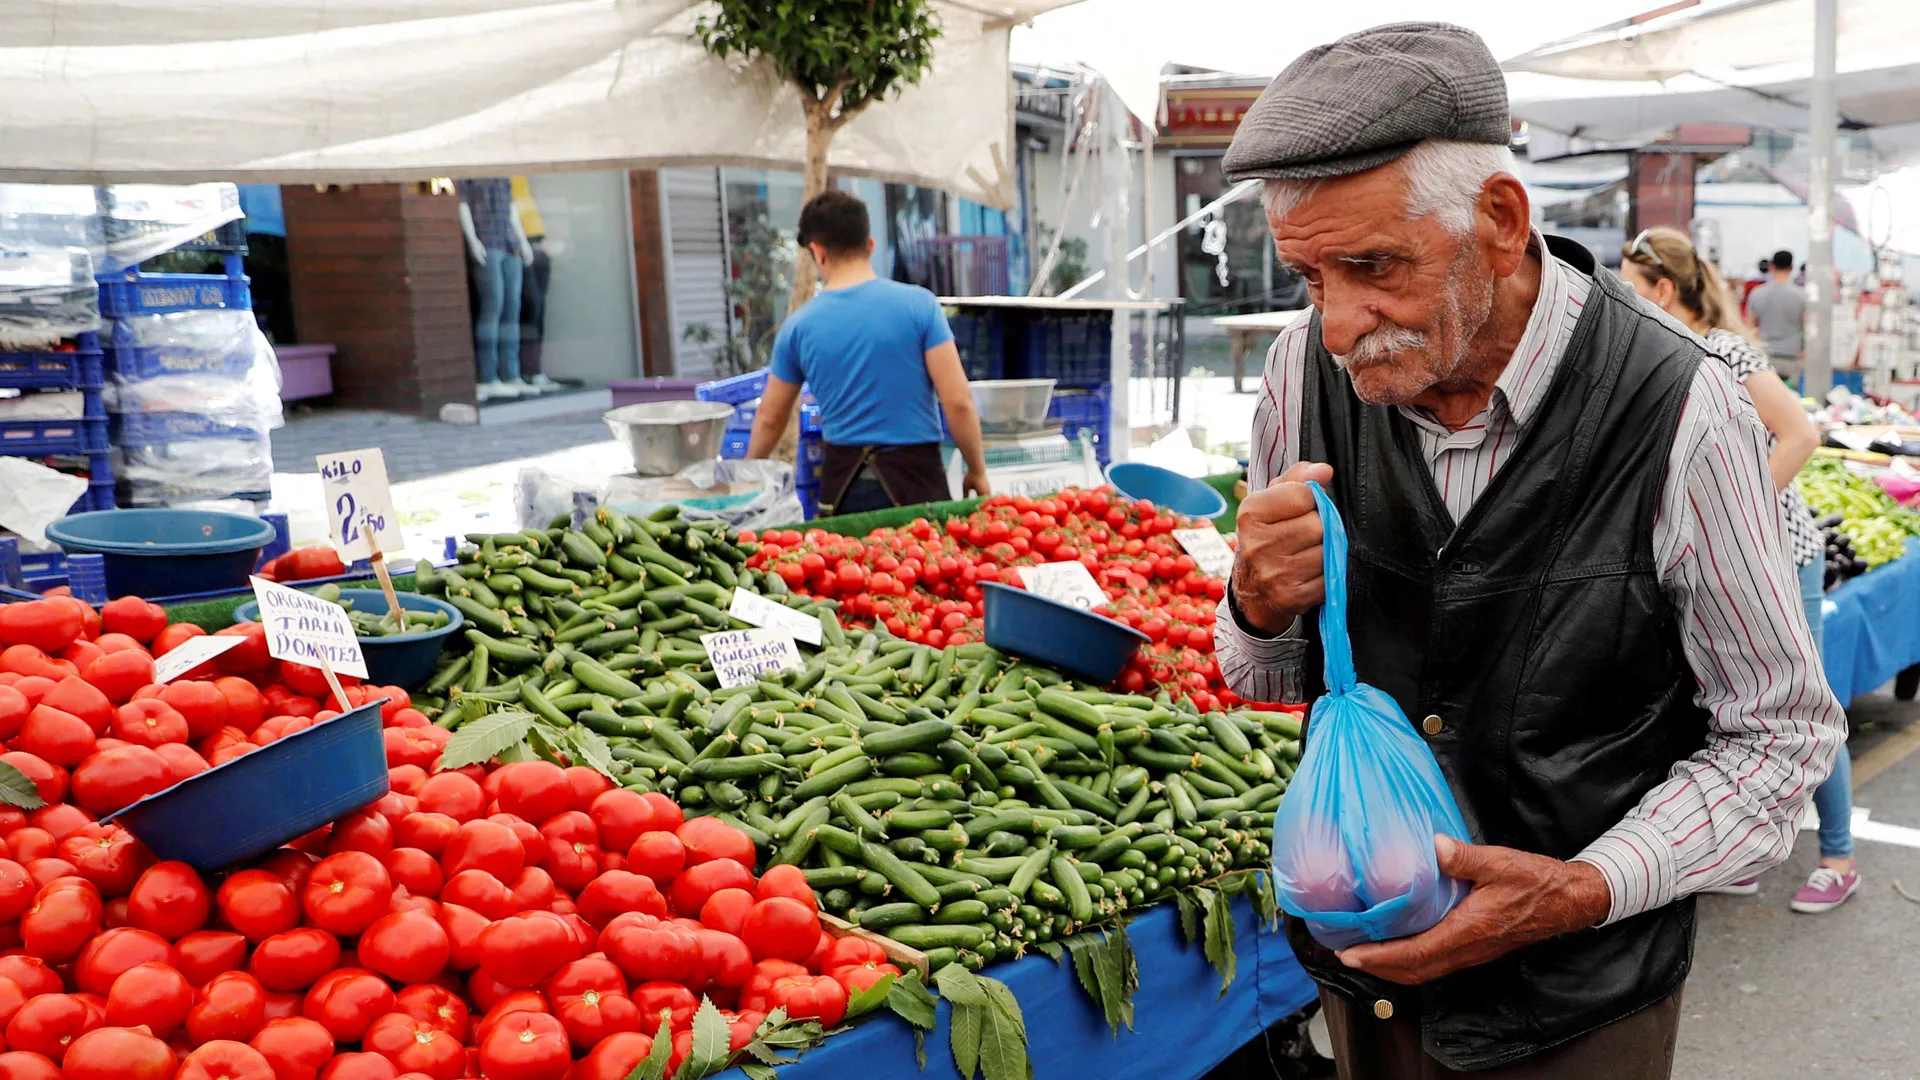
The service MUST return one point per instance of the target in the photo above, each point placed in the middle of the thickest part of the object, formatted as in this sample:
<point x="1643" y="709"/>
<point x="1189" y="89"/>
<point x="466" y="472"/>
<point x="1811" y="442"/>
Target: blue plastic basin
<point x="259" y="801"/>
<point x="1091" y="646"/>
<point x="404" y="660"/>
<point x="1181" y="494"/>
<point x="166" y="552"/>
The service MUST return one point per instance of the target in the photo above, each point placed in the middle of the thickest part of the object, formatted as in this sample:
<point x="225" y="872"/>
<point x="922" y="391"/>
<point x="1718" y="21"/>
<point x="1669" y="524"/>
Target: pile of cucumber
<point x="368" y="625"/>
<point x="963" y="802"/>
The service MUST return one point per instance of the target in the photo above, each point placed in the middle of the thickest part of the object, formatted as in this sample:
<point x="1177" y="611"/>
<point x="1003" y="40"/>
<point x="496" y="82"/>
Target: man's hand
<point x="1277" y="575"/>
<point x="975" y="485"/>
<point x="1517" y="898"/>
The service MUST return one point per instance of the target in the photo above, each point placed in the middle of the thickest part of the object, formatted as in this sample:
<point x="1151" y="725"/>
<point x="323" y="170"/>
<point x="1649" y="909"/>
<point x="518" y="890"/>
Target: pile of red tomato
<point x="304" y="564"/>
<point x="922" y="581"/>
<point x="519" y="922"/>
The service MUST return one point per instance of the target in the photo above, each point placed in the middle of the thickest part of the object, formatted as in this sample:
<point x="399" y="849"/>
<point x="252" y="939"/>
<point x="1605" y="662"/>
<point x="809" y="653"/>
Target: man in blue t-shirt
<point x="879" y="359"/>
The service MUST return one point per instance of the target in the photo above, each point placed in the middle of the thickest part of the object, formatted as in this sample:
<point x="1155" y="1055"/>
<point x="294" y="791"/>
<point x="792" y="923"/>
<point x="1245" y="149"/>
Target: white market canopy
<point x="1745" y="62"/>
<point x="340" y="91"/>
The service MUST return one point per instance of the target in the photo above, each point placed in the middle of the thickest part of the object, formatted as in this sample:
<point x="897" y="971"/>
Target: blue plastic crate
<point x="76" y="369"/>
<point x="733" y="445"/>
<point x="158" y="294"/>
<point x="743" y="414"/>
<point x="21" y="438"/>
<point x="809" y="502"/>
<point x="1085" y="410"/>
<point x="809" y="419"/>
<point x="131" y="363"/>
<point x="134" y="429"/>
<point x="735" y="390"/>
<point x="1075" y="350"/>
<point x="982" y="340"/>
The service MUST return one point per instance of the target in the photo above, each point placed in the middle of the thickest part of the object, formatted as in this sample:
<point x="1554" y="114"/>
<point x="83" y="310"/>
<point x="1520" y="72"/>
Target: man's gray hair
<point x="1444" y="179"/>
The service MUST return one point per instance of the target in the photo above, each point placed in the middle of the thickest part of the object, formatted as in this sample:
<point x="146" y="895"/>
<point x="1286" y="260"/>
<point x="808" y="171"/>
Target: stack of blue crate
<point x="1075" y="350"/>
<point x="743" y="393"/>
<point x="80" y="442"/>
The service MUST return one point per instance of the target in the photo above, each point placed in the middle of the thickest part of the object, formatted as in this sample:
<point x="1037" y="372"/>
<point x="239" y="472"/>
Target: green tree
<point x="841" y="55"/>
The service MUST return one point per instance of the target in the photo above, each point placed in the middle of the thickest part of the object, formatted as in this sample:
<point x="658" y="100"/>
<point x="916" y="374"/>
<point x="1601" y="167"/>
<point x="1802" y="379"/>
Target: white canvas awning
<point x="95" y="91"/>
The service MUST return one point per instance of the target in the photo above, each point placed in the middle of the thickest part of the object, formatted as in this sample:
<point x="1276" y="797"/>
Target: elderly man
<point x="1565" y="566"/>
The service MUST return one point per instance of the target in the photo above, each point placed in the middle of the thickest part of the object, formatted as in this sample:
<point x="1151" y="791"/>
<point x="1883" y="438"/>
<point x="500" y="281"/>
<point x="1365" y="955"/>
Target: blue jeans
<point x="496" y="326"/>
<point x="1833" y="800"/>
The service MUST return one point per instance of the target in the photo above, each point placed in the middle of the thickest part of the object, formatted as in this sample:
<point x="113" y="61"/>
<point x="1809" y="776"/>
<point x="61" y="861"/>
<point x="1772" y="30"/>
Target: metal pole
<point x="1823" y="131"/>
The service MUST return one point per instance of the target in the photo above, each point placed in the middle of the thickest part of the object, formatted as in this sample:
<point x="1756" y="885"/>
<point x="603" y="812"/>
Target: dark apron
<point x="904" y="475"/>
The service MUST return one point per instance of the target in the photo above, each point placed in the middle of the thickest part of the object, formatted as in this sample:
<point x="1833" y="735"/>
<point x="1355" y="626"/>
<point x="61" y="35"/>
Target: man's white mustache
<point x="1381" y="344"/>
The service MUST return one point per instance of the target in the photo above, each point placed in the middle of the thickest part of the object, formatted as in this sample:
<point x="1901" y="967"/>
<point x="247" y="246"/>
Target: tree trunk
<point x="820" y="129"/>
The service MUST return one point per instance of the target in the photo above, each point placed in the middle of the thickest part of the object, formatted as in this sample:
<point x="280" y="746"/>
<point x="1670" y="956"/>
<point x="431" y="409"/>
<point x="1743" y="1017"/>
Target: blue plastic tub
<point x="1180" y="494"/>
<point x="166" y="552"/>
<point x="404" y="660"/>
<point x="1091" y="646"/>
<point x="259" y="801"/>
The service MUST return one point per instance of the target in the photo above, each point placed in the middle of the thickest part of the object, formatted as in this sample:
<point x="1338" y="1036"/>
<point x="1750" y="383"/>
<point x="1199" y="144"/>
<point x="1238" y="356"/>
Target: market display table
<point x="1182" y="1026"/>
<point x="1244" y="330"/>
<point x="1872" y="626"/>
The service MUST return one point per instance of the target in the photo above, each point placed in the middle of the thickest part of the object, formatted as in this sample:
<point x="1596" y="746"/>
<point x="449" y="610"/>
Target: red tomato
<point x="16" y="890"/>
<point x="659" y="855"/>
<point x="480" y="891"/>
<point x="363" y="830"/>
<point x="60" y="923"/>
<point x="81" y="698"/>
<point x="692" y="886"/>
<point x="258" y="904"/>
<point x="416" y="1046"/>
<point x="32" y="661"/>
<point x="532" y="889"/>
<point x="436" y="1005"/>
<point x="417" y="746"/>
<point x="665" y="1002"/>
<point x="810" y="997"/>
<point x="153" y="994"/>
<point x="667" y="815"/>
<point x="30" y="973"/>
<point x="118" y="675"/>
<point x="621" y="817"/>
<point x="586" y="785"/>
<point x="724" y="958"/>
<point x="169" y="639"/>
<point x="22" y="1065"/>
<point x="119" y="1054"/>
<point x="184" y="759"/>
<point x="115" y="951"/>
<point x="49" y="780"/>
<point x="54" y="735"/>
<point x="524" y="949"/>
<point x="48" y="1024"/>
<point x="648" y="949"/>
<point x="206" y="953"/>
<point x="248" y="658"/>
<point x="295" y="1047"/>
<point x="114" y="779"/>
<point x="614" y="1058"/>
<point x="707" y="839"/>
<point x="426" y="831"/>
<point x="573" y="849"/>
<point x="526" y="1046"/>
<point x="347" y="892"/>
<point x="133" y="617"/>
<point x="616" y="891"/>
<point x="233" y="1005"/>
<point x="294" y="959"/>
<point x="170" y="900"/>
<point x="246" y="708"/>
<point x="347" y="1000"/>
<point x="414" y="870"/>
<point x="225" y="1060"/>
<point x="454" y="794"/>
<point x="488" y="846"/>
<point x="360" y="1066"/>
<point x="780" y="928"/>
<point x="202" y="703"/>
<point x="407" y="947"/>
<point x="62" y="821"/>
<point x="533" y="790"/>
<point x="726" y="910"/>
<point x="14" y="708"/>
<point x="41" y="623"/>
<point x="788" y="881"/>
<point x="463" y="926"/>
<point x="150" y="723"/>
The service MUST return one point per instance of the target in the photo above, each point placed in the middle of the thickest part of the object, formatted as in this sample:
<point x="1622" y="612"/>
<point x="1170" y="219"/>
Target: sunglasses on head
<point x="1643" y="245"/>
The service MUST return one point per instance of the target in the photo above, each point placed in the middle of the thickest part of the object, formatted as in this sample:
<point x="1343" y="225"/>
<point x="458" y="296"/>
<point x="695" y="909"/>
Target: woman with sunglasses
<point x="1663" y="267"/>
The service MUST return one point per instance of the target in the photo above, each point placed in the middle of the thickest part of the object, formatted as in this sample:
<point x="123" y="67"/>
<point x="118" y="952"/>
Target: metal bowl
<point x="664" y="437"/>
<point x="1012" y="405"/>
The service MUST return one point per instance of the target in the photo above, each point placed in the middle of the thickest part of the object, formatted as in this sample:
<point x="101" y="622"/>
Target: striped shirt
<point x="1729" y="811"/>
<point x="1804" y="542"/>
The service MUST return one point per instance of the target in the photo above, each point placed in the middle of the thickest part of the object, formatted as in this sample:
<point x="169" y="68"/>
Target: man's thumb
<point x="1464" y="862"/>
<point x="1303" y="471"/>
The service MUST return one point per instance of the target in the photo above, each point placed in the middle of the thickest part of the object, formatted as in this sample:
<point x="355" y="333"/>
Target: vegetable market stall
<point x="1183" y="1025"/>
<point x="1873" y="627"/>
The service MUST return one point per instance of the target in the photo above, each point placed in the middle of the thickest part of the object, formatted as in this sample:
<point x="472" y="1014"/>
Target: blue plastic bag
<point x="1353" y="839"/>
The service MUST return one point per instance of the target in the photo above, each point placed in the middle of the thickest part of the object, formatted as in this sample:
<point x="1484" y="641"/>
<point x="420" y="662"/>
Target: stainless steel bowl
<point x="1012" y="405"/>
<point x="664" y="437"/>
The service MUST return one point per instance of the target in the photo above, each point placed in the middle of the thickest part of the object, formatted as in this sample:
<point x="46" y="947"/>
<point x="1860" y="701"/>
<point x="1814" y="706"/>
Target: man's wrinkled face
<point x="1400" y="300"/>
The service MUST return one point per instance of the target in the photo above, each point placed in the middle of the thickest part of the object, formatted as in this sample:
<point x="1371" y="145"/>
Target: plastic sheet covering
<point x="120" y="225"/>
<point x="368" y="90"/>
<point x="47" y="294"/>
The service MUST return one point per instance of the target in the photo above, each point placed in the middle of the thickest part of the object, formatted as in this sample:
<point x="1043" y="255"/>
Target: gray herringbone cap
<point x="1367" y="99"/>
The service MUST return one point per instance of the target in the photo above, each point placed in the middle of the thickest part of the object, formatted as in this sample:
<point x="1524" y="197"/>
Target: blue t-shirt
<point x="862" y="351"/>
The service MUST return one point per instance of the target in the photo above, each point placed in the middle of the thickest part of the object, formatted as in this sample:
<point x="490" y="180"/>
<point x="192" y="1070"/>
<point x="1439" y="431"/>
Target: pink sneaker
<point x="1825" y="890"/>
<point x="1748" y="887"/>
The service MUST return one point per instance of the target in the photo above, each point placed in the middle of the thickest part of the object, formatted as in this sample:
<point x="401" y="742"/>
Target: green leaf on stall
<point x="920" y="1049"/>
<point x="757" y="1071"/>
<point x="1082" y="947"/>
<point x="963" y="1037"/>
<point x="862" y="1002"/>
<point x="1266" y="903"/>
<point x="710" y="1050"/>
<point x="1051" y="949"/>
<point x="591" y="750"/>
<point x="1219" y="938"/>
<point x="17" y="790"/>
<point x="1113" y="961"/>
<point x="547" y="745"/>
<point x="1189" y="916"/>
<point x="911" y="1002"/>
<point x="791" y="1036"/>
<point x="1003" y="1035"/>
<point x="654" y="1065"/>
<point x="486" y="738"/>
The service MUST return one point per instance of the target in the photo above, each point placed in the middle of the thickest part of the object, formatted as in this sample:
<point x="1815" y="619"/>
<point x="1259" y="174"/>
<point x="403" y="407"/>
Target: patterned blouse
<point x="1803" y="538"/>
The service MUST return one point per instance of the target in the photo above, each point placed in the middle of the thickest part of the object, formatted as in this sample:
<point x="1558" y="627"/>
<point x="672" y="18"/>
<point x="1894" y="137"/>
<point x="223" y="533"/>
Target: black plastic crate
<point x="981" y="338"/>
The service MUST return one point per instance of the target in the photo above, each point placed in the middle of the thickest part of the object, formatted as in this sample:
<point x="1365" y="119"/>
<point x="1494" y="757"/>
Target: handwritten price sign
<point x="359" y="503"/>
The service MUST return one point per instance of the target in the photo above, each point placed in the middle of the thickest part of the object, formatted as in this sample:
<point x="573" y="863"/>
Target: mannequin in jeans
<point x="498" y="247"/>
<point x="533" y="288"/>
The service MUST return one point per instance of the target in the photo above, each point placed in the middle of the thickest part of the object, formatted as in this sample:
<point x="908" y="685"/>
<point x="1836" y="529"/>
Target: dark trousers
<point x="533" y="307"/>
<point x="1639" y="1047"/>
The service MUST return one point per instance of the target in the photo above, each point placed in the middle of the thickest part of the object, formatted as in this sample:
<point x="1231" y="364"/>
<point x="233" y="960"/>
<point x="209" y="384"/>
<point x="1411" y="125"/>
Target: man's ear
<point x="1504" y="223"/>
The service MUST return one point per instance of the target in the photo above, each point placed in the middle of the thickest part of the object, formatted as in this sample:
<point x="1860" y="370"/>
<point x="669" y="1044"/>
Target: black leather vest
<point x="1537" y="631"/>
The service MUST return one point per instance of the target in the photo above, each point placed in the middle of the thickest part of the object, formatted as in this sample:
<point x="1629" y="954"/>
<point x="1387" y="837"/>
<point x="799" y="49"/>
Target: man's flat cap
<point x="1367" y="99"/>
